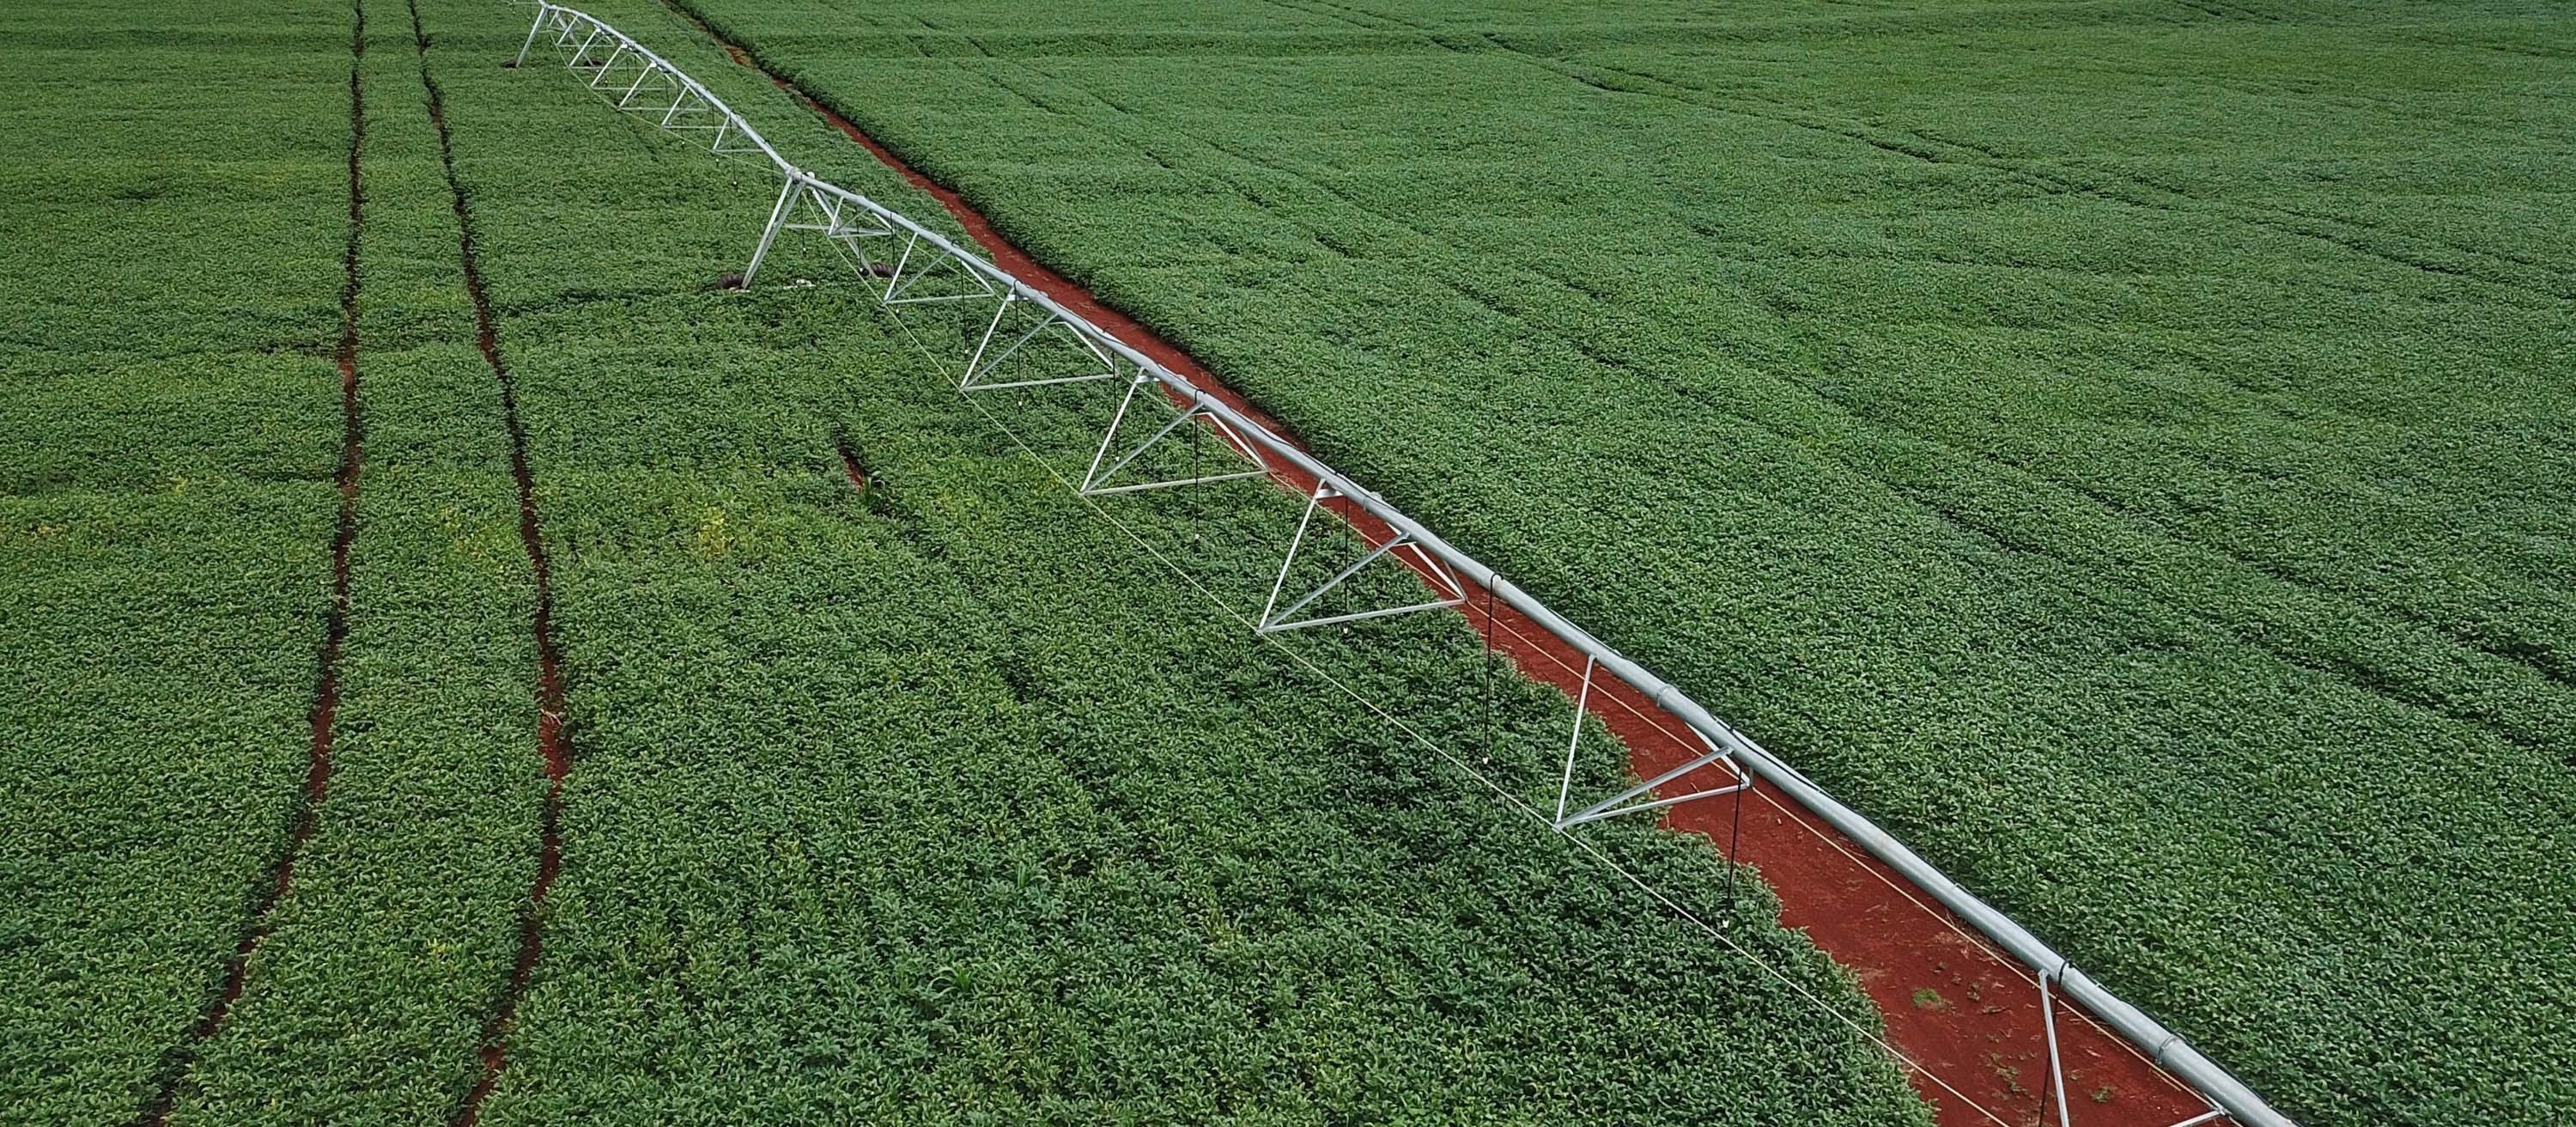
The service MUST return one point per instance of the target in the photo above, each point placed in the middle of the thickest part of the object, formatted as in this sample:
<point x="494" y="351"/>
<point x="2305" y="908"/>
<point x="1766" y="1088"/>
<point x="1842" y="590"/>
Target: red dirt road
<point x="1965" y="1018"/>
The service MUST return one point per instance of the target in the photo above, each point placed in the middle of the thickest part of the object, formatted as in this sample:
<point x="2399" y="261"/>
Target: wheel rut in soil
<point x="323" y="717"/>
<point x="1965" y="1017"/>
<point x="554" y="741"/>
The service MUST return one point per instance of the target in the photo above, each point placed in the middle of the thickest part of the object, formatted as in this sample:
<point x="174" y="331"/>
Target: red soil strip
<point x="1964" y="1014"/>
<point x="554" y="745"/>
<point x="322" y="718"/>
<point x="850" y="466"/>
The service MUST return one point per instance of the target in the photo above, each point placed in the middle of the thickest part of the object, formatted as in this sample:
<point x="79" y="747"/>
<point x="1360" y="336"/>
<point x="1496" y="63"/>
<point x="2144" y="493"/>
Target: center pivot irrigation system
<point x="924" y="267"/>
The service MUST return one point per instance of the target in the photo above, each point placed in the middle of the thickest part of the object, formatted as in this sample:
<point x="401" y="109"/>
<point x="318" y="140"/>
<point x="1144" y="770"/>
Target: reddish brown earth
<point x="554" y="744"/>
<point x="850" y="467"/>
<point x="322" y="719"/>
<point x="1965" y="1017"/>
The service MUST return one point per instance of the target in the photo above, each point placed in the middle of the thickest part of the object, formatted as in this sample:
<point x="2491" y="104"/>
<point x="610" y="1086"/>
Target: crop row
<point x="368" y="1003"/>
<point x="175" y="209"/>
<point x="2130" y="465"/>
<point x="939" y="802"/>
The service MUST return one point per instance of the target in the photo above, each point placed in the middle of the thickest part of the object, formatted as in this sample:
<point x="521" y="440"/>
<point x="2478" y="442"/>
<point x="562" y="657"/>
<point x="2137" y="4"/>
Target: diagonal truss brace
<point x="899" y="284"/>
<point x="1274" y="619"/>
<point x="653" y="80"/>
<point x="2048" y="979"/>
<point x="835" y="223"/>
<point x="610" y="77"/>
<point x="1095" y="479"/>
<point x="802" y="206"/>
<point x="823" y="214"/>
<point x="986" y="360"/>
<point x="1621" y="803"/>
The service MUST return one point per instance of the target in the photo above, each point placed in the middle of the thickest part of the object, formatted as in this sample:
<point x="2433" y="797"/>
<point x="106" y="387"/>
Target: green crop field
<point x="2122" y="447"/>
<point x="168" y="433"/>
<point x="941" y="802"/>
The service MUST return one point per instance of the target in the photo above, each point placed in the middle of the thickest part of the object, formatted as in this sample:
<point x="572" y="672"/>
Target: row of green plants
<point x="2120" y="448"/>
<point x="942" y="801"/>
<point x="368" y="1004"/>
<point x="934" y="801"/>
<point x="175" y="210"/>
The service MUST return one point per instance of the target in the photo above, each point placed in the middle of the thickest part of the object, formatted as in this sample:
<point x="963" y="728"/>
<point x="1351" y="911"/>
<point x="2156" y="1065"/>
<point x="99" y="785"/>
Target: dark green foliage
<point x="949" y="805"/>
<point x="2121" y="447"/>
<point x="402" y="924"/>
<point x="942" y="804"/>
<point x="167" y="435"/>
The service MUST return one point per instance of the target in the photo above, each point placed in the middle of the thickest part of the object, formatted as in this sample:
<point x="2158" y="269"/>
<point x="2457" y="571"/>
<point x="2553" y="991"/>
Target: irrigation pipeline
<point x="2164" y="1046"/>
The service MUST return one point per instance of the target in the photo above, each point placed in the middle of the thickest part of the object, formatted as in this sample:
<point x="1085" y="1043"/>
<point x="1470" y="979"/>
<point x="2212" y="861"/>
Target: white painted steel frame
<point x="1095" y="479"/>
<point x="1275" y="618"/>
<point x="1737" y="751"/>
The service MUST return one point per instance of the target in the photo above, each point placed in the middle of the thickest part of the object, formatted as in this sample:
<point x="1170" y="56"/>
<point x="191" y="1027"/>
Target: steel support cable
<point x="1735" y="845"/>
<point x="1516" y="802"/>
<point x="2163" y="1046"/>
<point x="1795" y="817"/>
<point x="1212" y="598"/>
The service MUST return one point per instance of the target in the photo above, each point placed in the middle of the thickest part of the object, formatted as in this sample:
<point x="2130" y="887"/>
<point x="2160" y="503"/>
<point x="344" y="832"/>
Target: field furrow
<point x="167" y="500"/>
<point x="324" y="715"/>
<point x="369" y="1002"/>
<point x="2118" y="449"/>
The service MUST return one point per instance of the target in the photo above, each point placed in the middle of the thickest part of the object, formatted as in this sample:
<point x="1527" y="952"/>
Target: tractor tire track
<point x="2115" y="187"/>
<point x="1847" y="902"/>
<point x="554" y="742"/>
<point x="323" y="717"/>
<point x="2361" y="676"/>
